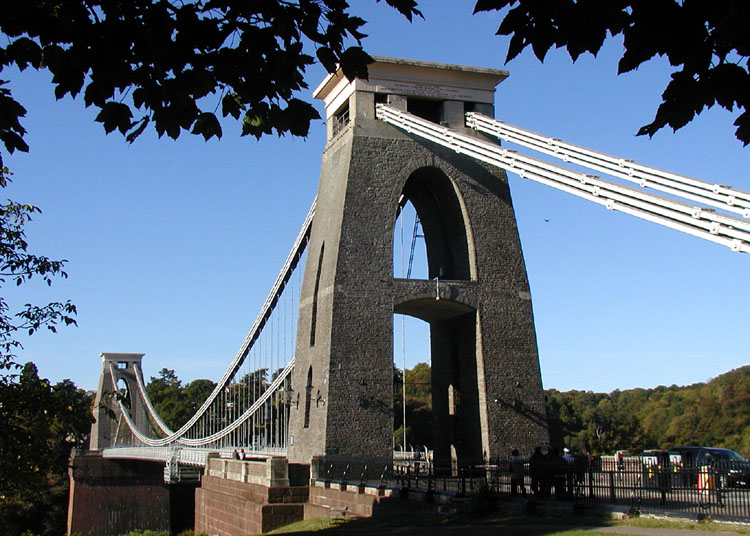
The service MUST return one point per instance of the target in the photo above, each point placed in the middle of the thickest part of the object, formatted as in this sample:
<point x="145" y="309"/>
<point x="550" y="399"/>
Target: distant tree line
<point x="176" y="403"/>
<point x="716" y="413"/>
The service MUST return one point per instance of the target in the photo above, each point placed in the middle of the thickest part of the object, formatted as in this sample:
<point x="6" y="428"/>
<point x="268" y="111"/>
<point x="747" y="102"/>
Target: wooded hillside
<point x="716" y="413"/>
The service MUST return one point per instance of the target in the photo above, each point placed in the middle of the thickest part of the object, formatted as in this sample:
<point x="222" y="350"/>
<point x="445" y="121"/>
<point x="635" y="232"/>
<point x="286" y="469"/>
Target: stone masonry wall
<point x="113" y="497"/>
<point x="229" y="508"/>
<point x="349" y="296"/>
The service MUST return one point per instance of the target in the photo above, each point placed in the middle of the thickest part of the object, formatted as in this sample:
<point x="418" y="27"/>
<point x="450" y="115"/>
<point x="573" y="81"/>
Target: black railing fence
<point x="719" y="491"/>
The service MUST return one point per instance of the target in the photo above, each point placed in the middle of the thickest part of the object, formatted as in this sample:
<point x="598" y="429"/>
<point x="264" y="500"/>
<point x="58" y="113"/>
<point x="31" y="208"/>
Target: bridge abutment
<point x="110" y="497"/>
<point x="250" y="496"/>
<point x="256" y="496"/>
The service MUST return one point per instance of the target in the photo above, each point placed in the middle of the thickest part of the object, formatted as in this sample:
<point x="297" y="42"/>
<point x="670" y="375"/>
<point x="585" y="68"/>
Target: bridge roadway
<point x="192" y="456"/>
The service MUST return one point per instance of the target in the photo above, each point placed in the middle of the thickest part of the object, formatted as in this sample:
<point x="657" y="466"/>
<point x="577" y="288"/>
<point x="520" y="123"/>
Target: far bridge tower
<point x="117" y="381"/>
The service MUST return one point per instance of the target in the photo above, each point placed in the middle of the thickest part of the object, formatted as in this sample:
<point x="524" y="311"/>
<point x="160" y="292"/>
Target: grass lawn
<point x="494" y="525"/>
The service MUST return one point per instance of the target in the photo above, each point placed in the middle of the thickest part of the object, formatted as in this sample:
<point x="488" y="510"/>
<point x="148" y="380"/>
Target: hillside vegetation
<point x="715" y="413"/>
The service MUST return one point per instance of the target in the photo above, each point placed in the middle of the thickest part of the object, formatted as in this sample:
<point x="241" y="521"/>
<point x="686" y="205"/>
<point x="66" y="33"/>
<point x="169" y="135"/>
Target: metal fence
<point x="718" y="491"/>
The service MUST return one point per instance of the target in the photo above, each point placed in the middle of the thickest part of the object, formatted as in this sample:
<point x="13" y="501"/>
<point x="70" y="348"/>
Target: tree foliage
<point x="39" y="425"/>
<point x="707" y="43"/>
<point x="419" y="383"/>
<point x="591" y="422"/>
<point x="174" y="402"/>
<point x="418" y="407"/>
<point x="176" y="64"/>
<point x="716" y="413"/>
<point x="419" y="430"/>
<point x="17" y="266"/>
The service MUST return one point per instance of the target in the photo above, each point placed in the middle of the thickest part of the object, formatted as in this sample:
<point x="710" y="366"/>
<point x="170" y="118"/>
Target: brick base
<point x="111" y="497"/>
<point x="228" y="508"/>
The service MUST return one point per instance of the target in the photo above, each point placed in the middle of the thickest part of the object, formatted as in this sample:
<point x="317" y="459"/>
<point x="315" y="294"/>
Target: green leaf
<point x="13" y="142"/>
<point x="407" y="8"/>
<point x="24" y="52"/>
<point x="492" y="5"/>
<point x="354" y="62"/>
<point x="231" y="105"/>
<point x="254" y="122"/>
<point x="327" y="58"/>
<point x="743" y="128"/>
<point x="207" y="125"/>
<point x="299" y="115"/>
<point x="729" y="83"/>
<point x="115" y="115"/>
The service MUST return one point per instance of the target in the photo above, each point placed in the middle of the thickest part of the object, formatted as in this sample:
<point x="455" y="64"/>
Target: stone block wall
<point x="229" y="507"/>
<point x="113" y="497"/>
<point x="484" y="344"/>
<point x="359" y="501"/>
<point x="272" y="472"/>
<point x="365" y="501"/>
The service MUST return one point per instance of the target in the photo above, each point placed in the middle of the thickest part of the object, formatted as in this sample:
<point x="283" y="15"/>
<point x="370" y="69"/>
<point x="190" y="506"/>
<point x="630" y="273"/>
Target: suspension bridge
<point x="314" y="375"/>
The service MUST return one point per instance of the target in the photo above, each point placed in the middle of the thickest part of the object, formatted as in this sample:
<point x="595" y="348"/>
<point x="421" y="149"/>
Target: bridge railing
<point x="721" y="491"/>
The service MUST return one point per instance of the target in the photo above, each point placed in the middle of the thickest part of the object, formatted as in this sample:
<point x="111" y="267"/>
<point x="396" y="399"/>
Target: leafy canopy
<point x="708" y="44"/>
<point x="174" y="402"/>
<point x="177" y="403"/>
<point x="715" y="413"/>
<point x="177" y="63"/>
<point x="17" y="266"/>
<point x="419" y="430"/>
<point x="39" y="425"/>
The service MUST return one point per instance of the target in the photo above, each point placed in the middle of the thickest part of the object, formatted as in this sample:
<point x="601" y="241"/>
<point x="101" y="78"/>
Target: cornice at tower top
<point x="413" y="78"/>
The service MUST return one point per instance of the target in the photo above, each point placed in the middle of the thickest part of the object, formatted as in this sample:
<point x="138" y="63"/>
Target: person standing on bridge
<point x="517" y="473"/>
<point x="569" y="472"/>
<point x="536" y="470"/>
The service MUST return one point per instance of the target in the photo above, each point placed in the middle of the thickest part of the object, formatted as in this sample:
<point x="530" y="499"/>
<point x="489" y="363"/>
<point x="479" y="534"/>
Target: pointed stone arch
<point x="444" y="225"/>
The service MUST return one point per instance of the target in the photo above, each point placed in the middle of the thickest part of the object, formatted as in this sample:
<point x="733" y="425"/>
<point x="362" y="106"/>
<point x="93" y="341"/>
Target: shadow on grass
<point x="437" y="525"/>
<point x="423" y="524"/>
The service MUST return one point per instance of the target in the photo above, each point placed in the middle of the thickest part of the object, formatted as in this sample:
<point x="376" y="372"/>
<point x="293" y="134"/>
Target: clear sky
<point x="173" y="246"/>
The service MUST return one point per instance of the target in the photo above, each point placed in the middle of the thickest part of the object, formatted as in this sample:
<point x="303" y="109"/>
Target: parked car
<point x="656" y="469"/>
<point x="729" y="468"/>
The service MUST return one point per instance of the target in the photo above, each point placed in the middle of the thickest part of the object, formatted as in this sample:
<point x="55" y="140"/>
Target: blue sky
<point x="173" y="246"/>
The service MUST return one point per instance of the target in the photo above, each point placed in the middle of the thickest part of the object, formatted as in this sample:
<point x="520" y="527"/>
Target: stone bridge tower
<point x="486" y="383"/>
<point x="118" y="376"/>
